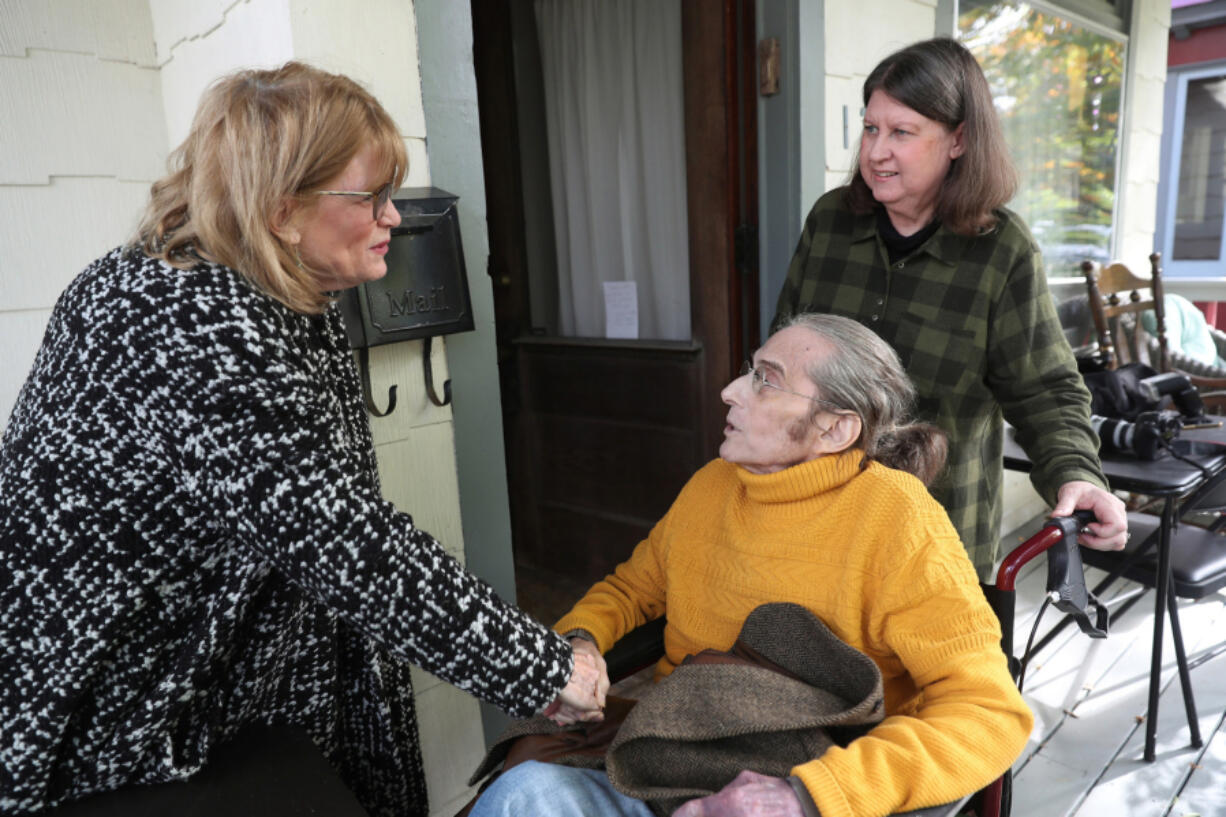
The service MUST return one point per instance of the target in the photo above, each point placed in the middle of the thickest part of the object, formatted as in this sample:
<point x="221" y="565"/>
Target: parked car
<point x="1066" y="246"/>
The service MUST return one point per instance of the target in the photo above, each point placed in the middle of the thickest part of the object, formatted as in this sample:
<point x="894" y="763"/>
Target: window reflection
<point x="1057" y="88"/>
<point x="1199" y="212"/>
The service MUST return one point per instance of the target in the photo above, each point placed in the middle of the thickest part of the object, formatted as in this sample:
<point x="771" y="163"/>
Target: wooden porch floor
<point x="1085" y="756"/>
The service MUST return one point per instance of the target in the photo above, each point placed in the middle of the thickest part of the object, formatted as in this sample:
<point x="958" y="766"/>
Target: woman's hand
<point x="749" y="795"/>
<point x="583" y="698"/>
<point x="1110" y="532"/>
<point x="584" y="646"/>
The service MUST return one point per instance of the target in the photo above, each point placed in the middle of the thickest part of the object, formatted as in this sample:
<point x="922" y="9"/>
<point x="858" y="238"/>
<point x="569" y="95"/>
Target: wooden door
<point x="602" y="434"/>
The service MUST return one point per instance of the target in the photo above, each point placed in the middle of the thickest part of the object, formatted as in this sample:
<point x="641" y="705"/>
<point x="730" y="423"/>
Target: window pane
<point x="1198" y="215"/>
<point x="1057" y="89"/>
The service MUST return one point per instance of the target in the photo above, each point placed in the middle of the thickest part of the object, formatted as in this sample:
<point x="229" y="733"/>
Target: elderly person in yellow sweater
<point x="814" y="500"/>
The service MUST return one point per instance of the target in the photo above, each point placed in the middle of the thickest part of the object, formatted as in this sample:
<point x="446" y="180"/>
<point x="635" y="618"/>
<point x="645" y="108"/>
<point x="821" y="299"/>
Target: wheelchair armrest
<point x="639" y="648"/>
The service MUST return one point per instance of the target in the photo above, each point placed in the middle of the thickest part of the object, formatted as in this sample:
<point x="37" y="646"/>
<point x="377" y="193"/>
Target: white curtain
<point x="613" y="112"/>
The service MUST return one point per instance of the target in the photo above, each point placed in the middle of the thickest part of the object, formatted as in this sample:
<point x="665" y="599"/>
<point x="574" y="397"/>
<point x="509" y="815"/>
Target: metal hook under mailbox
<point x="428" y="368"/>
<point x="364" y="365"/>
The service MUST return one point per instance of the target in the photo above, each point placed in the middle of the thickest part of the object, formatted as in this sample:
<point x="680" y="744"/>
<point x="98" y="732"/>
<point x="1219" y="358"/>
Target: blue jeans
<point x="534" y="789"/>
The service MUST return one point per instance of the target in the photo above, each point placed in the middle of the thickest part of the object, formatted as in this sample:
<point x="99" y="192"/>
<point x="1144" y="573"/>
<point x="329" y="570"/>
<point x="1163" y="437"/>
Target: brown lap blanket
<point x="787" y="691"/>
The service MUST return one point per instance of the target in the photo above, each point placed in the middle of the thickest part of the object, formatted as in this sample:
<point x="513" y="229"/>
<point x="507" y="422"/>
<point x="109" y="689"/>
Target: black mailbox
<point x="425" y="291"/>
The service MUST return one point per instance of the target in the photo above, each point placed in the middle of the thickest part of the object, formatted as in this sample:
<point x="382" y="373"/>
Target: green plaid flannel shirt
<point x="974" y="324"/>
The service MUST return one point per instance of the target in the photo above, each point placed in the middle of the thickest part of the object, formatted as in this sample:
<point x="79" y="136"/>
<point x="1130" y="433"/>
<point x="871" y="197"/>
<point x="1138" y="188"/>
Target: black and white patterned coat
<point x="192" y="539"/>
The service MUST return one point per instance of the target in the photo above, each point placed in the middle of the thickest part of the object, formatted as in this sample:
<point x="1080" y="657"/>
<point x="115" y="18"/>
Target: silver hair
<point x="864" y="375"/>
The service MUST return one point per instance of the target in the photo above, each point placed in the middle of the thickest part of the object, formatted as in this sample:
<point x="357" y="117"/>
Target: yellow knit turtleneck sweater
<point x="876" y="558"/>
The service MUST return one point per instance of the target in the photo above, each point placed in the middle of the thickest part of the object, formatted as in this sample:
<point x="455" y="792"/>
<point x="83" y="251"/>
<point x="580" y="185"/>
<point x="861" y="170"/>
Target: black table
<point x="1170" y="479"/>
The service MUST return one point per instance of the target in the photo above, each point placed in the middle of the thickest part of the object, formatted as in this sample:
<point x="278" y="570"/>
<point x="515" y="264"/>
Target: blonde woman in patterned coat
<point x="193" y="543"/>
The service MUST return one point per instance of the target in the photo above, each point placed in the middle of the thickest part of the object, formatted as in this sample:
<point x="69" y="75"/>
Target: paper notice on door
<point x="621" y="309"/>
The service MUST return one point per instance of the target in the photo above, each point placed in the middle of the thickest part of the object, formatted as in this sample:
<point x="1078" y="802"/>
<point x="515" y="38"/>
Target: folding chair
<point x="1197" y="568"/>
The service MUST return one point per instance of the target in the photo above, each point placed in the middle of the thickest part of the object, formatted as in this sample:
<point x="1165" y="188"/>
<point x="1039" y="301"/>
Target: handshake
<point x="583" y="698"/>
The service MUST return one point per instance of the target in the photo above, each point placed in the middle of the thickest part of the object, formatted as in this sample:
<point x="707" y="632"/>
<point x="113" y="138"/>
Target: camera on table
<point x="1185" y="399"/>
<point x="1159" y="407"/>
<point x="1144" y="438"/>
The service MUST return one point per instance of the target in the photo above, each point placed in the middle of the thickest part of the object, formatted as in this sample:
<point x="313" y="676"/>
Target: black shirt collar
<point x="898" y="245"/>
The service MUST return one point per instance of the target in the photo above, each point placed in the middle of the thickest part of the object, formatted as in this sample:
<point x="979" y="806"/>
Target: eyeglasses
<point x="379" y="198"/>
<point x="758" y="381"/>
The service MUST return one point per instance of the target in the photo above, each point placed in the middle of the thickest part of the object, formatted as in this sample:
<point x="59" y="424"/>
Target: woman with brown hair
<point x="920" y="248"/>
<point x="194" y="549"/>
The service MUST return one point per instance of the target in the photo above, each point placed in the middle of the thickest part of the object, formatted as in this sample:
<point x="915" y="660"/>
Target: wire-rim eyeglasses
<point x="379" y="198"/>
<point x="758" y="381"/>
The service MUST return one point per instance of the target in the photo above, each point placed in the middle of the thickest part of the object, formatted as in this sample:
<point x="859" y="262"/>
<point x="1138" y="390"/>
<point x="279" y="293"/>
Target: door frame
<point x="721" y="188"/>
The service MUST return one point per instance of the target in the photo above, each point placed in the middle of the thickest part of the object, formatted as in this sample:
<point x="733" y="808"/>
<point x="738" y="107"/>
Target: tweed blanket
<point x="786" y="692"/>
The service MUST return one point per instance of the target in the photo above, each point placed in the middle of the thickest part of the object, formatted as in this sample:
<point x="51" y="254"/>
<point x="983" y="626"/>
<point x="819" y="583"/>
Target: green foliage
<point x="1057" y="88"/>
